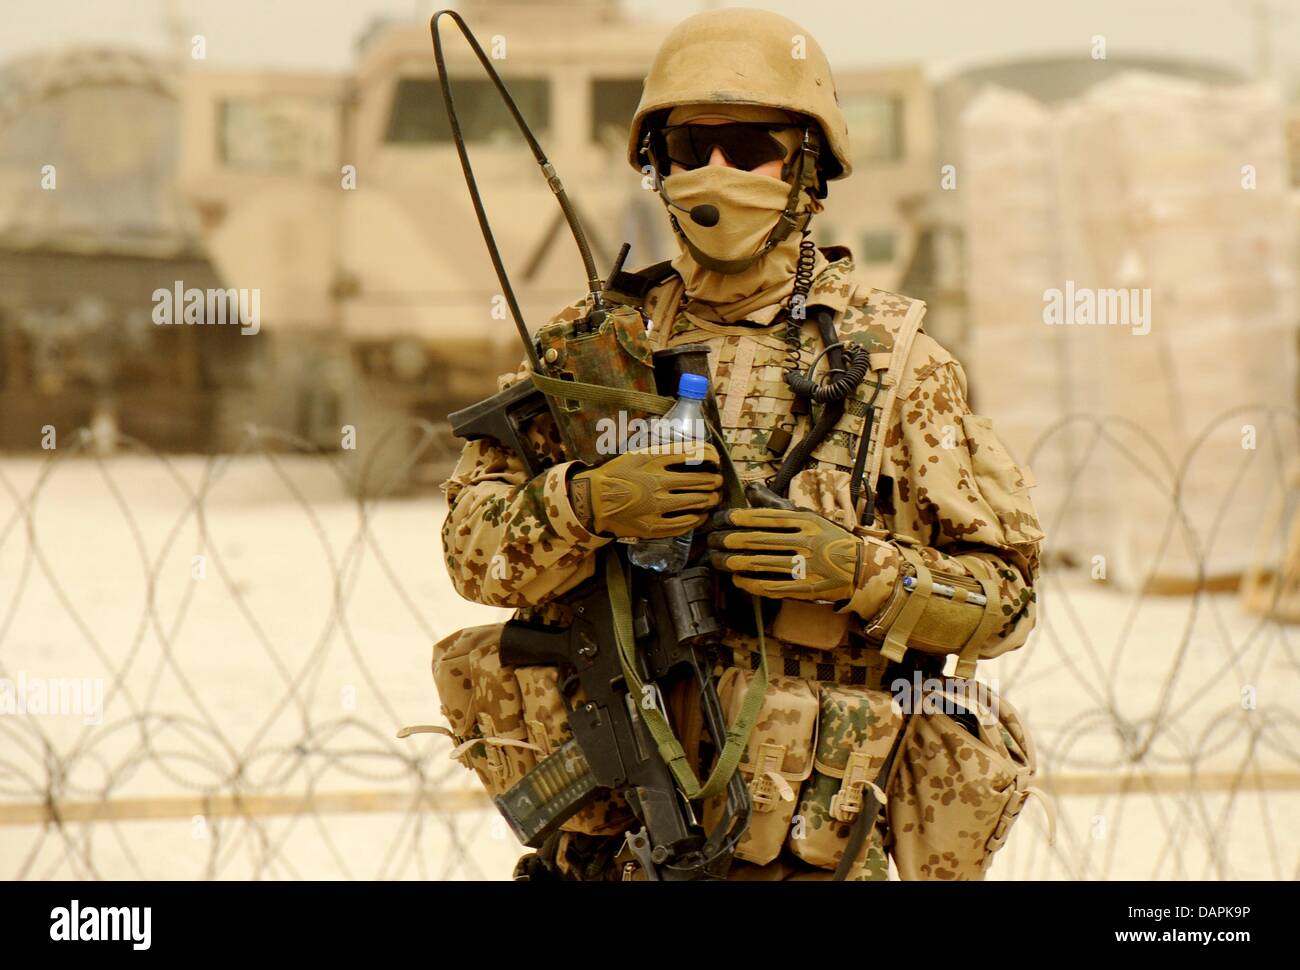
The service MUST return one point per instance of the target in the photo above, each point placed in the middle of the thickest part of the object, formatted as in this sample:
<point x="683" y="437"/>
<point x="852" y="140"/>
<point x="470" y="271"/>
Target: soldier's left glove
<point x="797" y="554"/>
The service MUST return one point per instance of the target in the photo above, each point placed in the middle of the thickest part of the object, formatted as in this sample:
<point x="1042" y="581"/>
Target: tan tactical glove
<point x="796" y="554"/>
<point x="641" y="495"/>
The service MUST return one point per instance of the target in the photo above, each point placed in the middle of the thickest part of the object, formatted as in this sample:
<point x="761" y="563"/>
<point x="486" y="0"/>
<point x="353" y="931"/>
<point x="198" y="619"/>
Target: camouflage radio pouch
<point x="954" y="798"/>
<point x="607" y="361"/>
<point x="857" y="728"/>
<point x="777" y="761"/>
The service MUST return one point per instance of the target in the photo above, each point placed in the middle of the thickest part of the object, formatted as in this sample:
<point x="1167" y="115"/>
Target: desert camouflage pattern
<point x="826" y="492"/>
<point x="952" y="491"/>
<point x="955" y="796"/>
<point x="857" y="728"/>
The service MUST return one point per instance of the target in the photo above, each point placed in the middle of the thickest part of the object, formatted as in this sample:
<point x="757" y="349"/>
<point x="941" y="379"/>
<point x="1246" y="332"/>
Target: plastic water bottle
<point x="681" y="428"/>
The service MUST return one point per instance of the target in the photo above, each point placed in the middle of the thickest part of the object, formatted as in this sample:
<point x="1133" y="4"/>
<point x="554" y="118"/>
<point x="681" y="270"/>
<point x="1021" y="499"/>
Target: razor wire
<point x="286" y="784"/>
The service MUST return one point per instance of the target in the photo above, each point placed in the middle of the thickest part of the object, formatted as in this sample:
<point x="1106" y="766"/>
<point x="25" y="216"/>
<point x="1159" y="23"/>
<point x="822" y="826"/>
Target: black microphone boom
<point x="702" y="215"/>
<point x="705" y="215"/>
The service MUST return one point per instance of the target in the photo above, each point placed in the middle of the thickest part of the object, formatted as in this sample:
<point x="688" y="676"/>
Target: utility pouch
<point x="504" y="720"/>
<point x="955" y="795"/>
<point x="936" y="612"/>
<point x="944" y="624"/>
<point x="815" y="625"/>
<point x="778" y="759"/>
<point x="857" y="728"/>
<point x="484" y="706"/>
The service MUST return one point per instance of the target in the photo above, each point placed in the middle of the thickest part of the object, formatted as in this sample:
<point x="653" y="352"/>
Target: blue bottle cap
<point x="693" y="386"/>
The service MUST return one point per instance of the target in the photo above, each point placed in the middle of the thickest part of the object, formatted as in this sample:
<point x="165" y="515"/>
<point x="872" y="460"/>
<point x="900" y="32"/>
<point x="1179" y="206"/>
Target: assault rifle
<point x="612" y="747"/>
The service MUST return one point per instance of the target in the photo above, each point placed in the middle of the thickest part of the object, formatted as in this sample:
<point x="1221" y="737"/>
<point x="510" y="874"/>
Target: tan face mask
<point x="748" y="206"/>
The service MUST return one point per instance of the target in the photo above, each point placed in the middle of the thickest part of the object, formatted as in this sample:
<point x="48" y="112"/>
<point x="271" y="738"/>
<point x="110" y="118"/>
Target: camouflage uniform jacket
<point x="956" y="496"/>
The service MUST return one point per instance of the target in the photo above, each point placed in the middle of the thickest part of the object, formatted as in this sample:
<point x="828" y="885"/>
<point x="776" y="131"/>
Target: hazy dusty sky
<point x="939" y="33"/>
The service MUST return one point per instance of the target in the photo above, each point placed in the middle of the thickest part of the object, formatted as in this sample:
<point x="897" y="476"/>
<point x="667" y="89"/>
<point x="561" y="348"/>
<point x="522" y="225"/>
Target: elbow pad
<point x="937" y="612"/>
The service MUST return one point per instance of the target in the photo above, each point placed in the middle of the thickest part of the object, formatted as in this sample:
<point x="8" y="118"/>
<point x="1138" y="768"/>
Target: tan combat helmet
<point x="743" y="56"/>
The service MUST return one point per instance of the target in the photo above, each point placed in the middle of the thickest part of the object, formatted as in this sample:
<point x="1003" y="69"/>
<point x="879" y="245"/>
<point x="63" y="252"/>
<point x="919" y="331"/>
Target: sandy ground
<point x="282" y="662"/>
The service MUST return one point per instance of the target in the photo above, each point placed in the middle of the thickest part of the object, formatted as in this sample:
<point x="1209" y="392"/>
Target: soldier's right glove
<point x="643" y="495"/>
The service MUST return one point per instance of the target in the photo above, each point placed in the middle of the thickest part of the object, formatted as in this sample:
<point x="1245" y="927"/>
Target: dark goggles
<point x="745" y="144"/>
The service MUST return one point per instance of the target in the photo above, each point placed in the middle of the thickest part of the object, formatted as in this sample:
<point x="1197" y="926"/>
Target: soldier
<point x="912" y="535"/>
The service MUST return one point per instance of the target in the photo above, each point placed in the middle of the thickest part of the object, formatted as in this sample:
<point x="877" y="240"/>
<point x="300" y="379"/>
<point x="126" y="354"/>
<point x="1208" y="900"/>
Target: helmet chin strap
<point x="787" y="222"/>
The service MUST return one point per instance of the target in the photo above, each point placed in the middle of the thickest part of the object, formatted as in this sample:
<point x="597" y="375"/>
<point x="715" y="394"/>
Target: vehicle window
<point x="278" y="134"/>
<point x="418" y="116"/>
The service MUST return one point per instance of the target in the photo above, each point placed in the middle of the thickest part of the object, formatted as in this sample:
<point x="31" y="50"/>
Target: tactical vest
<point x="760" y="413"/>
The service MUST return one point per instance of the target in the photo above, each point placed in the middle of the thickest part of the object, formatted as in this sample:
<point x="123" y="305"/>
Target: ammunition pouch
<point x="824" y="753"/>
<point x="812" y="765"/>
<point x="776" y="762"/>
<point x="857" y="730"/>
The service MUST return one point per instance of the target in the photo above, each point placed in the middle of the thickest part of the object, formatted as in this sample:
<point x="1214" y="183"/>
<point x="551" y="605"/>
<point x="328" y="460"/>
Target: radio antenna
<point x="594" y="283"/>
